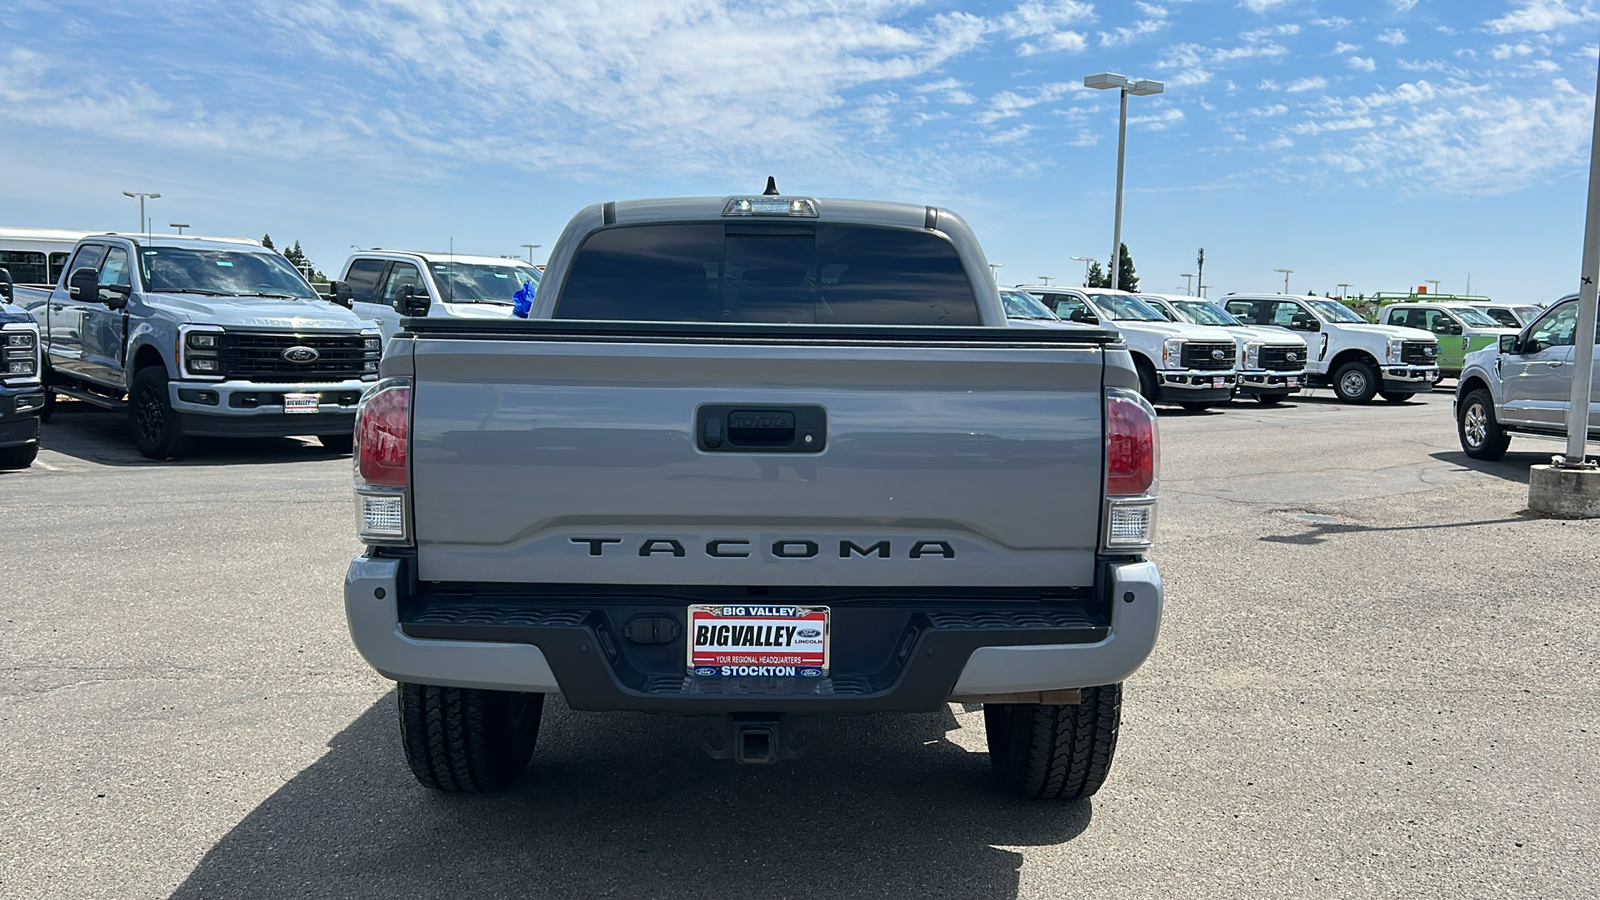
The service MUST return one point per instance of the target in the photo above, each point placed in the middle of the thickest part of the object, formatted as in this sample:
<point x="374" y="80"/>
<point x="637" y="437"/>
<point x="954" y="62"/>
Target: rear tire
<point x="151" y="418"/>
<point x="19" y="457"/>
<point x="463" y="740"/>
<point x="1356" y="382"/>
<point x="337" y="443"/>
<point x="49" y="407"/>
<point x="1054" y="752"/>
<point x="1480" y="434"/>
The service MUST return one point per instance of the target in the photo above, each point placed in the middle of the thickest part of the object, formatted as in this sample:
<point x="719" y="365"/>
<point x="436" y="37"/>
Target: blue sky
<point x="1378" y="144"/>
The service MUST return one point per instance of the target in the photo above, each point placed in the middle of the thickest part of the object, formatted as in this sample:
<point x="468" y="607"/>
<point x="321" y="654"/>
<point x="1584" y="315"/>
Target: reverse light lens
<point x="1131" y="526"/>
<point x="383" y="515"/>
<point x="383" y="422"/>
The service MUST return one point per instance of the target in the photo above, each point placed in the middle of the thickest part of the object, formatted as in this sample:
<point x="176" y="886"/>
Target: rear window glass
<point x="26" y="266"/>
<point x="815" y="274"/>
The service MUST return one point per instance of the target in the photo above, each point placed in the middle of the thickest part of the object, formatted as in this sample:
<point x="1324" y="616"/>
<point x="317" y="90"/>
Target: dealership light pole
<point x="1188" y="285"/>
<point x="1086" y="260"/>
<point x="1435" y="282"/>
<point x="1286" y="274"/>
<point x="142" y="195"/>
<point x="1344" y="290"/>
<point x="530" y="248"/>
<point x="1046" y="279"/>
<point x="1141" y="88"/>
<point x="994" y="269"/>
<point x="178" y="225"/>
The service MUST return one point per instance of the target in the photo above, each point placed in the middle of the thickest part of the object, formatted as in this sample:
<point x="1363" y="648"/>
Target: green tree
<point x="1096" y="277"/>
<point x="1127" y="279"/>
<point x="266" y="241"/>
<point x="299" y="260"/>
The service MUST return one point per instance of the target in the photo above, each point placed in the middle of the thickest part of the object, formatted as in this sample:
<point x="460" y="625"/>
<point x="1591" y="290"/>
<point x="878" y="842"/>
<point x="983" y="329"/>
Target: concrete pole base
<point x="1564" y="493"/>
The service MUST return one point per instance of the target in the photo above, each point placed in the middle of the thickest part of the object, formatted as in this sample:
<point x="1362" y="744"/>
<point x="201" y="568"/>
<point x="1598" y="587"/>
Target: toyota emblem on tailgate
<point x="301" y="354"/>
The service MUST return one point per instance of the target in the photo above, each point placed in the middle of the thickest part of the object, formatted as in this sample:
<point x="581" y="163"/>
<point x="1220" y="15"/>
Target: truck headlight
<point x="1172" y="353"/>
<point x="1252" y="352"/>
<point x="200" y="351"/>
<point x="1395" y="349"/>
<point x="20" y="355"/>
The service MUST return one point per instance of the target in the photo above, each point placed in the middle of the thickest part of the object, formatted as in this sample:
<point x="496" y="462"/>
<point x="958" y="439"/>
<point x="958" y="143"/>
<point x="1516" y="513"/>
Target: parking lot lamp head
<point x="1086" y="260"/>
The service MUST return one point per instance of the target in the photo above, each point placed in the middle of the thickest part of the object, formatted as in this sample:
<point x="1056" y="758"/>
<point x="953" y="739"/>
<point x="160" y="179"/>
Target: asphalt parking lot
<point x="1377" y="678"/>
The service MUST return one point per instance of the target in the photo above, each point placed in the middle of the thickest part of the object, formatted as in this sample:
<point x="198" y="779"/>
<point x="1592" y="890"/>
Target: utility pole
<point x="1200" y="273"/>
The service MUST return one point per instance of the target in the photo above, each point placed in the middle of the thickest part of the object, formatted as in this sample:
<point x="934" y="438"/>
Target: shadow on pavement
<point x="101" y="436"/>
<point x="1511" y="467"/>
<point x="1321" y="531"/>
<point x="625" y="805"/>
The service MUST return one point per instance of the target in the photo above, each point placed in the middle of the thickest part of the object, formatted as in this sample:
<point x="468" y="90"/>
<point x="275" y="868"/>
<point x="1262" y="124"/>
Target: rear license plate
<point x="1429" y="376"/>
<point x="299" y="403"/>
<point x="740" y="641"/>
<point x="1219" y="382"/>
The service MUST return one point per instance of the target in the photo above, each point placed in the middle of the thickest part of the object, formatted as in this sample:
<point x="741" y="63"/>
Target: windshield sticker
<point x="501" y="276"/>
<point x="223" y="262"/>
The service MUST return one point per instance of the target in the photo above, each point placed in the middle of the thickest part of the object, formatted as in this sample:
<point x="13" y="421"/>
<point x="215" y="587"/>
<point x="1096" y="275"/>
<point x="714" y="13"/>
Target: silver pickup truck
<point x="757" y="461"/>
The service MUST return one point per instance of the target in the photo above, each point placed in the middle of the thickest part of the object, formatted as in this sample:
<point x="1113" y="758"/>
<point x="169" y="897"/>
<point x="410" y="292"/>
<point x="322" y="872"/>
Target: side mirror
<point x="339" y="293"/>
<point x="83" y="285"/>
<point x="410" y="302"/>
<point x="1083" y="316"/>
<point x="7" y="288"/>
<point x="1444" y="326"/>
<point x="1303" y="322"/>
<point x="115" y="296"/>
<point x="1510" y="343"/>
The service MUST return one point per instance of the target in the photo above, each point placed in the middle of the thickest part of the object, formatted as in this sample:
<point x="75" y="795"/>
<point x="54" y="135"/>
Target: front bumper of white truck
<point x="907" y="658"/>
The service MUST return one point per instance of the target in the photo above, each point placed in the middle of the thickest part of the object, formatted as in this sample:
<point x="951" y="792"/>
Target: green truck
<point x="1460" y="325"/>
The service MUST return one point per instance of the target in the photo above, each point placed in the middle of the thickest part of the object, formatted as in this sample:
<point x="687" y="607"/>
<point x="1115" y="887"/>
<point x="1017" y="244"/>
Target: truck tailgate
<point x="578" y="458"/>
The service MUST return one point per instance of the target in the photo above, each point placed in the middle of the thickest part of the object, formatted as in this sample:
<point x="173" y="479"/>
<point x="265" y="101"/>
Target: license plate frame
<point x="758" y="641"/>
<point x="1219" y="381"/>
<point x="1292" y="381"/>
<point x="299" y="403"/>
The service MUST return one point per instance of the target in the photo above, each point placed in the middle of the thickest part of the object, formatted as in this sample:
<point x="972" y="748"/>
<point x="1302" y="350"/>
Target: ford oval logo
<point x="1217" y="354"/>
<point x="1293" y="357"/>
<point x="301" y="354"/>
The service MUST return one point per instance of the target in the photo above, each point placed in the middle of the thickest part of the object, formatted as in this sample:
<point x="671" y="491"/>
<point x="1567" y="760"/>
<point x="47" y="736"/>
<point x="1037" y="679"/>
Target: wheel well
<point x="1470" y="385"/>
<point x="146" y="357"/>
<point x="1139" y="359"/>
<point x="1347" y="356"/>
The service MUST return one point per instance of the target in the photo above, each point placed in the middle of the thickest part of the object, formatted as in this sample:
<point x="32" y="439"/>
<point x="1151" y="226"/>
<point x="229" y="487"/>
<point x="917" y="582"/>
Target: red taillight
<point x="382" y="426"/>
<point x="1133" y="451"/>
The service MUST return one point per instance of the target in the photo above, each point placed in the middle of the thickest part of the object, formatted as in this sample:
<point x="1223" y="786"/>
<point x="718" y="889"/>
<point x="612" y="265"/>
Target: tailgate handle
<point x="726" y="428"/>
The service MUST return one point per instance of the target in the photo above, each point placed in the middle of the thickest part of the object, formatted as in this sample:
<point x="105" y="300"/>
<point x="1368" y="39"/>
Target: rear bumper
<point x="910" y="659"/>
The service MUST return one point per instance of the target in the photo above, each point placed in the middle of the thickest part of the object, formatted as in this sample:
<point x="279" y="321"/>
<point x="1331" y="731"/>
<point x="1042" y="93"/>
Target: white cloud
<point x="1044" y="23"/>
<point x="1394" y="37"/>
<point x="1540" y="15"/>
<point x="1343" y="47"/>
<point x="1256" y="34"/>
<point x="949" y="90"/>
<point x="1159" y="121"/>
<point x="1362" y="63"/>
<point x="1404" y="6"/>
<point x="1332" y="23"/>
<point x="1155" y="19"/>
<point x="1261" y="6"/>
<point x="1010" y="104"/>
<point x="1506" y="51"/>
<point x="1312" y="83"/>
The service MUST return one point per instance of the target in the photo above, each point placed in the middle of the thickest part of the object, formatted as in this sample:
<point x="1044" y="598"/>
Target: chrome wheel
<point x="1354" y="383"/>
<point x="1475" y="425"/>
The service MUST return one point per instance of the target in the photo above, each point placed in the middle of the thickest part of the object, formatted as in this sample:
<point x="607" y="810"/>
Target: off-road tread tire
<point x="19" y="457"/>
<point x="463" y="740"/>
<point x="343" y="442"/>
<point x="172" y="443"/>
<point x="1052" y="752"/>
<point x="1496" y="441"/>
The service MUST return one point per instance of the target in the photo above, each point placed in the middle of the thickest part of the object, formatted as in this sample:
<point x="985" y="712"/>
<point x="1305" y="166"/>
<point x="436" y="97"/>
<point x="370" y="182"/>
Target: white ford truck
<point x="1358" y="360"/>
<point x="387" y="285"/>
<point x="1272" y="364"/>
<point x="756" y="461"/>
<point x="1190" y="365"/>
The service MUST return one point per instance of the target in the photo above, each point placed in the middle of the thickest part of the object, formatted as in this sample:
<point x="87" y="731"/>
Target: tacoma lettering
<point x="789" y="548"/>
